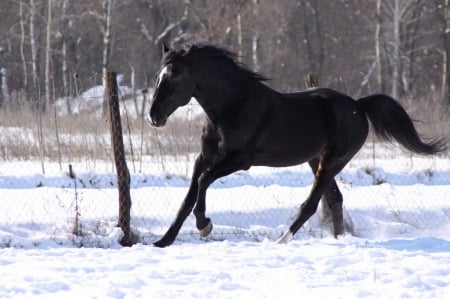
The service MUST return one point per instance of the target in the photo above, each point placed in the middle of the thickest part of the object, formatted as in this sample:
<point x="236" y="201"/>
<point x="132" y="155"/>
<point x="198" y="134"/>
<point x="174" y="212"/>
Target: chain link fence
<point x="386" y="190"/>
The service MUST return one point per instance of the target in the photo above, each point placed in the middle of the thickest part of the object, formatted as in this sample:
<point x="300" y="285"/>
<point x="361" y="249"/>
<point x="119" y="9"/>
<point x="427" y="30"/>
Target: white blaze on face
<point x="161" y="75"/>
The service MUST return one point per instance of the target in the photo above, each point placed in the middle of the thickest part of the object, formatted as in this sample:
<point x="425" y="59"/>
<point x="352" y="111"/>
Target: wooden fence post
<point x="123" y="174"/>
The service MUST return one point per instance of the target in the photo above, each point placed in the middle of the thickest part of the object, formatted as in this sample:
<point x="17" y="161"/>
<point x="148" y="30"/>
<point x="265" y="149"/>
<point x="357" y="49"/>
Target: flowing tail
<point x="390" y="121"/>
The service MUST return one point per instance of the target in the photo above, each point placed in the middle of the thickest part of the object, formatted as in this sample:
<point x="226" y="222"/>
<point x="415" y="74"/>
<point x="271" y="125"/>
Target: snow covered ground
<point x="324" y="268"/>
<point x="399" y="210"/>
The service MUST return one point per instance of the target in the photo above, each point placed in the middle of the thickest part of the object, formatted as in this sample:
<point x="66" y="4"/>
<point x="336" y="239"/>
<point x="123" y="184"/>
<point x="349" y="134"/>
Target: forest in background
<point x="56" y="49"/>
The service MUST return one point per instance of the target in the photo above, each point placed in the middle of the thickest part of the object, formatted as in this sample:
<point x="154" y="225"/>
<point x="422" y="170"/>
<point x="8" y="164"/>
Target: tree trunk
<point x="239" y="35"/>
<point x="47" y="53"/>
<point x="255" y="39"/>
<point x="4" y="86"/>
<point x="22" y="46"/>
<point x="33" y="49"/>
<point x="307" y="40"/>
<point x="410" y="44"/>
<point x="446" y="62"/>
<point x="311" y="27"/>
<point x="396" y="50"/>
<point x="107" y="10"/>
<point x="320" y="49"/>
<point x="64" y="68"/>
<point x="378" y="47"/>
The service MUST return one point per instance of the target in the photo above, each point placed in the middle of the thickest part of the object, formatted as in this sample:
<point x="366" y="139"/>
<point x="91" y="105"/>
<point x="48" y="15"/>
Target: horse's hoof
<point x="204" y="232"/>
<point x="160" y="244"/>
<point x="286" y="238"/>
<point x="163" y="242"/>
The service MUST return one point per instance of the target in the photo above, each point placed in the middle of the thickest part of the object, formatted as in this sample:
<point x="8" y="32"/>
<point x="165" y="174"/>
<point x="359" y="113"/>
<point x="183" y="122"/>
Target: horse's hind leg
<point x="332" y="202"/>
<point x="333" y="199"/>
<point x="327" y="168"/>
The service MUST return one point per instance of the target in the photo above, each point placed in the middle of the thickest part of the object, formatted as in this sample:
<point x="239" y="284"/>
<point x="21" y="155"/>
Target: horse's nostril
<point x="150" y="120"/>
<point x="155" y="122"/>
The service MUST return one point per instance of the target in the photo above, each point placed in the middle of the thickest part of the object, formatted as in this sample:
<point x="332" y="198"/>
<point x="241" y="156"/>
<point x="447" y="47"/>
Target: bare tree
<point x="48" y="53"/>
<point x="446" y="57"/>
<point x="107" y="14"/>
<point x="33" y="47"/>
<point x="285" y="40"/>
<point x="405" y="37"/>
<point x="256" y="37"/>
<point x="378" y="46"/>
<point x="64" y="64"/>
<point x="396" y="49"/>
<point x="313" y="36"/>
<point x="22" y="45"/>
<point x="107" y="23"/>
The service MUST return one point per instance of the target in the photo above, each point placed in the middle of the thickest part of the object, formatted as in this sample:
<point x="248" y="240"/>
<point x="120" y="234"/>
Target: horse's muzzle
<point x="155" y="122"/>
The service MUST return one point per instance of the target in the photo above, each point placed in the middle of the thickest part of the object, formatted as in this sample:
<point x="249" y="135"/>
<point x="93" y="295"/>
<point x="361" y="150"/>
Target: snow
<point x="91" y="100"/>
<point x="326" y="268"/>
<point x="399" y="211"/>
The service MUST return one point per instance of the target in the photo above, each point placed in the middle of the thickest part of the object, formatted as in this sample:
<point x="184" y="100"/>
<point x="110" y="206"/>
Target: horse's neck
<point x="216" y="102"/>
<point x="211" y="110"/>
<point x="220" y="89"/>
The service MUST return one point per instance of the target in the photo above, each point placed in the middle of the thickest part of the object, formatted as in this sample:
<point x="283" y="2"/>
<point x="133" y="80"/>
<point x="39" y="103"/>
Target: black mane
<point x="230" y="57"/>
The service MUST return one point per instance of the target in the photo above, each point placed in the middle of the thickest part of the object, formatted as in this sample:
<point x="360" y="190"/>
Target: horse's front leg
<point x="186" y="206"/>
<point x="224" y="167"/>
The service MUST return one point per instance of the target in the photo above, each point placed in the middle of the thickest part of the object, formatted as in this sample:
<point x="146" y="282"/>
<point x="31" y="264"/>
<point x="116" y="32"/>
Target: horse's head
<point x="173" y="86"/>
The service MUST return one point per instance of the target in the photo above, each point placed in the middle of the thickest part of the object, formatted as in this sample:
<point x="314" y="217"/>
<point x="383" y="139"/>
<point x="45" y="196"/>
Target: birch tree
<point x="64" y="64"/>
<point x="33" y="48"/>
<point x="107" y="15"/>
<point x="48" y="54"/>
<point x="313" y="36"/>
<point x="256" y="37"/>
<point x="404" y="35"/>
<point x="446" y="56"/>
<point x="396" y="48"/>
<point x="22" y="45"/>
<point x="378" y="46"/>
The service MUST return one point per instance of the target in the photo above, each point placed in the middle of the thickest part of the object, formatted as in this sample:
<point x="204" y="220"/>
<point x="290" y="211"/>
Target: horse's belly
<point x="288" y="156"/>
<point x="277" y="162"/>
<point x="293" y="136"/>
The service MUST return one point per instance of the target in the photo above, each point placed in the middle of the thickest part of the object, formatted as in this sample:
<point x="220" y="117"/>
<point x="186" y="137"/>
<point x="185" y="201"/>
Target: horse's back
<point x="324" y="97"/>
<point x="295" y="130"/>
<point x="346" y="120"/>
<point x="322" y="107"/>
<point x="301" y="125"/>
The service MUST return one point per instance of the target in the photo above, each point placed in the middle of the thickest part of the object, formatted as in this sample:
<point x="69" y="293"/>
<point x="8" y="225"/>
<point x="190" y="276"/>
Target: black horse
<point x="248" y="124"/>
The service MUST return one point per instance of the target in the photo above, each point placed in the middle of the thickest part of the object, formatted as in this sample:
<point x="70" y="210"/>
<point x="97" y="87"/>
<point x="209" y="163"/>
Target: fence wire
<point x="386" y="190"/>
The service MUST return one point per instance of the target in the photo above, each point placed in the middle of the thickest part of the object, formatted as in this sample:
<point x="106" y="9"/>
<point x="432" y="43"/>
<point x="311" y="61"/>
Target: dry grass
<point x="28" y="134"/>
<point x="432" y="118"/>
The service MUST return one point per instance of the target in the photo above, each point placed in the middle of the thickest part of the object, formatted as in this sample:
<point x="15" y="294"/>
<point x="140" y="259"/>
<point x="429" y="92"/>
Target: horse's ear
<point x="188" y="50"/>
<point x="165" y="48"/>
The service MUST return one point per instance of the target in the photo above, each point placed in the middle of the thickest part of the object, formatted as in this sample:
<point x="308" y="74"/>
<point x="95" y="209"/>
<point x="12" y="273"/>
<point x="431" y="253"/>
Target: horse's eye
<point x="176" y="72"/>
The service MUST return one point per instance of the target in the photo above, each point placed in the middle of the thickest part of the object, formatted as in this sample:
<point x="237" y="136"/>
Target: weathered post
<point x="311" y="81"/>
<point x="123" y="174"/>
